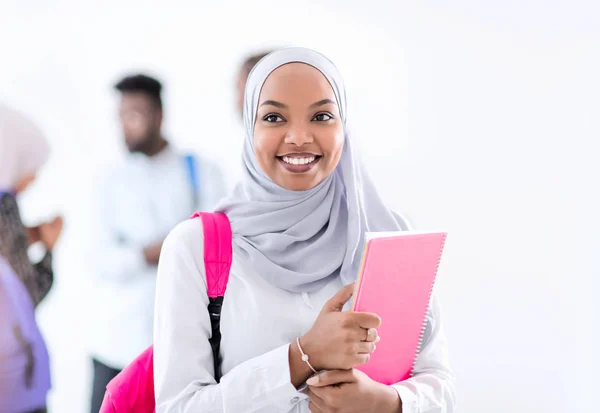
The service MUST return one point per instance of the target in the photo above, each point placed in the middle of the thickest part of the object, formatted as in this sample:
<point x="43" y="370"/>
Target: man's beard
<point x="143" y="146"/>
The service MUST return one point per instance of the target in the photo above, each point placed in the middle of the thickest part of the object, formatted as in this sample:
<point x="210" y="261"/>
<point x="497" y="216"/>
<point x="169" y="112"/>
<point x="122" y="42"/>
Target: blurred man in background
<point x="242" y="77"/>
<point x="139" y="203"/>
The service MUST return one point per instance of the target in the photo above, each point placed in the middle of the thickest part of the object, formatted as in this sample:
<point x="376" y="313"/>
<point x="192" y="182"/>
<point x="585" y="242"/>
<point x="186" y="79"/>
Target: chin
<point x="298" y="184"/>
<point x="134" y="147"/>
<point x="137" y="143"/>
<point x="298" y="188"/>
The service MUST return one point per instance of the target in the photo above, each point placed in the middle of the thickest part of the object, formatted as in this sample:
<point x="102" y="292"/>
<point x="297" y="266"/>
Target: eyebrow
<point x="284" y="106"/>
<point x="322" y="102"/>
<point x="274" y="103"/>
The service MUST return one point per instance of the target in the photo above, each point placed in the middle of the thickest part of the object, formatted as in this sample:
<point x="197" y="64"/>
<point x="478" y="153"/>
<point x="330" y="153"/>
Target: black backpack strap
<point x="217" y="263"/>
<point x="214" y="309"/>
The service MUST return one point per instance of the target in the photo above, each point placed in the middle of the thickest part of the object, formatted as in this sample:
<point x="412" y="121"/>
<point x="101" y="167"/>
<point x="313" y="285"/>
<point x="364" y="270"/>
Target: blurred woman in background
<point x="24" y="365"/>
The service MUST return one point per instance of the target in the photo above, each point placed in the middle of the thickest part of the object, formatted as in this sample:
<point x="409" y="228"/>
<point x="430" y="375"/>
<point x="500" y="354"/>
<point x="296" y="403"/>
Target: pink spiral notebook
<point x="396" y="281"/>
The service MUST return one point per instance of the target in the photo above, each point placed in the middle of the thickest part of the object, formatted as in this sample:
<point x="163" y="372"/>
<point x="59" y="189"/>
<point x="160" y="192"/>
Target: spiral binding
<point x="424" y="326"/>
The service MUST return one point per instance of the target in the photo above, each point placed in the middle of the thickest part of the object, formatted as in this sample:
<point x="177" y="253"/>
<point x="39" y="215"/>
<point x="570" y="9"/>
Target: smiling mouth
<point x="300" y="162"/>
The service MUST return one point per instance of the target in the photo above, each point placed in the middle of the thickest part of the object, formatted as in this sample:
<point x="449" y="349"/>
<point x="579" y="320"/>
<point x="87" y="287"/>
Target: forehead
<point x="296" y="82"/>
<point x="136" y="99"/>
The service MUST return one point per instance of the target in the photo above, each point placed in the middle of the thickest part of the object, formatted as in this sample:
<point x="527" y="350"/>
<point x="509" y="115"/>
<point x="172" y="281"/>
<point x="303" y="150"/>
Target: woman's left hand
<point x="350" y="391"/>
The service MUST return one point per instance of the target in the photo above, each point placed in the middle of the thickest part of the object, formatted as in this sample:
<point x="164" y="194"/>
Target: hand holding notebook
<point x="396" y="281"/>
<point x="335" y="342"/>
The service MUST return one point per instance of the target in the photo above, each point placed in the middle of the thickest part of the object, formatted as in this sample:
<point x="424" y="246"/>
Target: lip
<point x="299" y="168"/>
<point x="299" y="154"/>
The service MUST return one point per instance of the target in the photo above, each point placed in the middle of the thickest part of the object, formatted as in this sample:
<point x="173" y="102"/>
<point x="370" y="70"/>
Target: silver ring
<point x="371" y="334"/>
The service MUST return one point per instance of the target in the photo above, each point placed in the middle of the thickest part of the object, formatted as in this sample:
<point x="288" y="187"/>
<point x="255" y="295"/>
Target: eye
<point x="323" y="117"/>
<point x="273" y="118"/>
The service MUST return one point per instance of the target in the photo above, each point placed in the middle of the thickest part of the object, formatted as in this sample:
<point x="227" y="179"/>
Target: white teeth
<point x="298" y="161"/>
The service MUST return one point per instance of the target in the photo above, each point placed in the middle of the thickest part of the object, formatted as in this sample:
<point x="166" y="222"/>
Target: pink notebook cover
<point x="396" y="280"/>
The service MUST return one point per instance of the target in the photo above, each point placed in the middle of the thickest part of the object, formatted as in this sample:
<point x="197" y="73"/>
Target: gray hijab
<point x="300" y="240"/>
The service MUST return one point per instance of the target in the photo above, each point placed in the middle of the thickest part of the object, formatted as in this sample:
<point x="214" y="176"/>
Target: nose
<point x="299" y="135"/>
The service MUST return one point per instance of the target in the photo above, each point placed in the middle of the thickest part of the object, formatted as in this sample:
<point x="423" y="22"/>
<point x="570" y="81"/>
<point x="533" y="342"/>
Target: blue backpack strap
<point x="191" y="165"/>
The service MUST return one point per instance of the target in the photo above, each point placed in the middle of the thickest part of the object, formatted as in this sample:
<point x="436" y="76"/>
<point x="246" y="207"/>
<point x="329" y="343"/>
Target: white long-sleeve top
<point x="258" y="322"/>
<point x="138" y="203"/>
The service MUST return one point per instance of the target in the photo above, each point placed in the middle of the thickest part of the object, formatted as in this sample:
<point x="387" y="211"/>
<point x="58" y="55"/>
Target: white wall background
<point x="478" y="117"/>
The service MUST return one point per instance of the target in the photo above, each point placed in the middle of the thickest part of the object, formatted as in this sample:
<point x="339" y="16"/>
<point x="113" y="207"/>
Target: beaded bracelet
<point x="304" y="355"/>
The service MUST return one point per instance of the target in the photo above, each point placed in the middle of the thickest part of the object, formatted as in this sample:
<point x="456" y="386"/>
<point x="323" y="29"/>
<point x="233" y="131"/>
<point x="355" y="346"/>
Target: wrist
<point x="310" y="351"/>
<point x="299" y="370"/>
<point x="49" y="246"/>
<point x="150" y="256"/>
<point x="389" y="400"/>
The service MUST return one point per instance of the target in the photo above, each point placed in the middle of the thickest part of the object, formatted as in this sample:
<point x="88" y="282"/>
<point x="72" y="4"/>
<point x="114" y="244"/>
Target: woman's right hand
<point x="340" y="340"/>
<point x="32" y="234"/>
<point x="50" y="231"/>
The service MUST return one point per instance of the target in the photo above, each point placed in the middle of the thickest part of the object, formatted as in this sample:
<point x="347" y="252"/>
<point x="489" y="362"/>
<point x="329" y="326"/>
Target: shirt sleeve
<point x="431" y="389"/>
<point x="183" y="365"/>
<point x="117" y="259"/>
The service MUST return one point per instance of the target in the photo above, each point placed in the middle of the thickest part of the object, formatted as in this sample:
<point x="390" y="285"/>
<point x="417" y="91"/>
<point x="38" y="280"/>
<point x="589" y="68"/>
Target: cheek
<point x="134" y="125"/>
<point x="334" y="145"/>
<point x="147" y="128"/>
<point x="266" y="144"/>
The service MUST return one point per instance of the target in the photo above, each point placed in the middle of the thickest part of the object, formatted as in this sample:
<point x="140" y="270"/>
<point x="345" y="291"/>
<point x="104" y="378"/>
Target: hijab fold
<point x="23" y="148"/>
<point x="299" y="240"/>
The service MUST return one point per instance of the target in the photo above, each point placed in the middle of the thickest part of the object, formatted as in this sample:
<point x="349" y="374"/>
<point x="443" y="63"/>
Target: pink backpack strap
<point x="217" y="263"/>
<point x="217" y="251"/>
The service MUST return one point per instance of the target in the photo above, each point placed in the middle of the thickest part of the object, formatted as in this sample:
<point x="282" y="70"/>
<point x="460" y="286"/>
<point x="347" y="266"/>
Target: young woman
<point x="24" y="374"/>
<point x="298" y="218"/>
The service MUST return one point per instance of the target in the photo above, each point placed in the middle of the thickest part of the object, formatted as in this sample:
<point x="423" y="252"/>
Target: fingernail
<point x="378" y="339"/>
<point x="312" y="380"/>
<point x="374" y="347"/>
